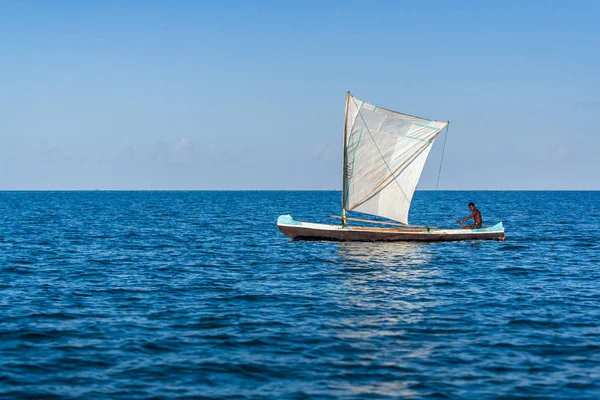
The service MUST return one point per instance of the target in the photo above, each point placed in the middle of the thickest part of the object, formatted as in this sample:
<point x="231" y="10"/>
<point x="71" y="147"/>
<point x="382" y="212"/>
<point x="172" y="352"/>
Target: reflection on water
<point x="385" y="275"/>
<point x="387" y="293"/>
<point x="382" y="254"/>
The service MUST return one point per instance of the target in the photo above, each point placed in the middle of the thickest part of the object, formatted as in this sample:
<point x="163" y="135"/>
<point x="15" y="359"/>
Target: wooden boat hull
<point x="298" y="230"/>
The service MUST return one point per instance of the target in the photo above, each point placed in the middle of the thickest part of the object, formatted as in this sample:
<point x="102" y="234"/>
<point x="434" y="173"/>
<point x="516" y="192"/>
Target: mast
<point x="344" y="162"/>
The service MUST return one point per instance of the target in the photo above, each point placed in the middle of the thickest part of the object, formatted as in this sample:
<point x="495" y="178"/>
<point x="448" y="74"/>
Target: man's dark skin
<point x="476" y="215"/>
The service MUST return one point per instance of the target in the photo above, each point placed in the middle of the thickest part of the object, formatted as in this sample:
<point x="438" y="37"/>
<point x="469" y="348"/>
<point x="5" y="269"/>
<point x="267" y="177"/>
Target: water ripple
<point x="197" y="295"/>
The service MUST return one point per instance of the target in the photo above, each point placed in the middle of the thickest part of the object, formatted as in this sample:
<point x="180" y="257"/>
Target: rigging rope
<point x="437" y="185"/>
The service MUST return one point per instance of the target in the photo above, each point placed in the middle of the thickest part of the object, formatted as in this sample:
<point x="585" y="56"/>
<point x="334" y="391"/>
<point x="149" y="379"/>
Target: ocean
<point x="136" y="295"/>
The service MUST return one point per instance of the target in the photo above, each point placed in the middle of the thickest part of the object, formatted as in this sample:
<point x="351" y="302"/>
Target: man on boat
<point x="476" y="215"/>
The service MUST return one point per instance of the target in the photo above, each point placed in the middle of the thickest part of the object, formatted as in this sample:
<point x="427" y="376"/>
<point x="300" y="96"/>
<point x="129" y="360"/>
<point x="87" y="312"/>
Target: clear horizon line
<point x="287" y="190"/>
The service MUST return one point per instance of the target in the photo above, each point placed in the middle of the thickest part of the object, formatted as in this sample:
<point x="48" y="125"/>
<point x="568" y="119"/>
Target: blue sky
<point x="250" y="95"/>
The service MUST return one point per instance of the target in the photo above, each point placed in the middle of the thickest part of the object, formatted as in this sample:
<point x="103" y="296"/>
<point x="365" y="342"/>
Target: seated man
<point x="476" y="215"/>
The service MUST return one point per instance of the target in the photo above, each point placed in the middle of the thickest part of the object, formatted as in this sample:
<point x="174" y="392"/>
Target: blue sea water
<point x="197" y="295"/>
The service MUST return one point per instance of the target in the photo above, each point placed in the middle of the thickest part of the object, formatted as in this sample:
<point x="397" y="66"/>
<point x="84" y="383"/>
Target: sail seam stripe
<point x="353" y="160"/>
<point x="426" y="126"/>
<point x="354" y="156"/>
<point x="355" y="149"/>
<point x="420" y="140"/>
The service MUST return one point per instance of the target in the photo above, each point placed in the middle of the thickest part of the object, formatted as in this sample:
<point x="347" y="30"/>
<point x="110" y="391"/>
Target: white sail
<point x="385" y="153"/>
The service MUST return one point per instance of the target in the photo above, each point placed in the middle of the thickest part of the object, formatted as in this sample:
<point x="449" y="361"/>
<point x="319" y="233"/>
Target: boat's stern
<point x="496" y="230"/>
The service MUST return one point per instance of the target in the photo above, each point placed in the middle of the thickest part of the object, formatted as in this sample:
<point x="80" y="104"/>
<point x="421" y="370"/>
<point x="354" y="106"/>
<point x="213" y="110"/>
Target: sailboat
<point x="384" y="155"/>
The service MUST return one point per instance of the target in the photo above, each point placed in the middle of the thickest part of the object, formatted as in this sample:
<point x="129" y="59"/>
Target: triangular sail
<point x="384" y="156"/>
